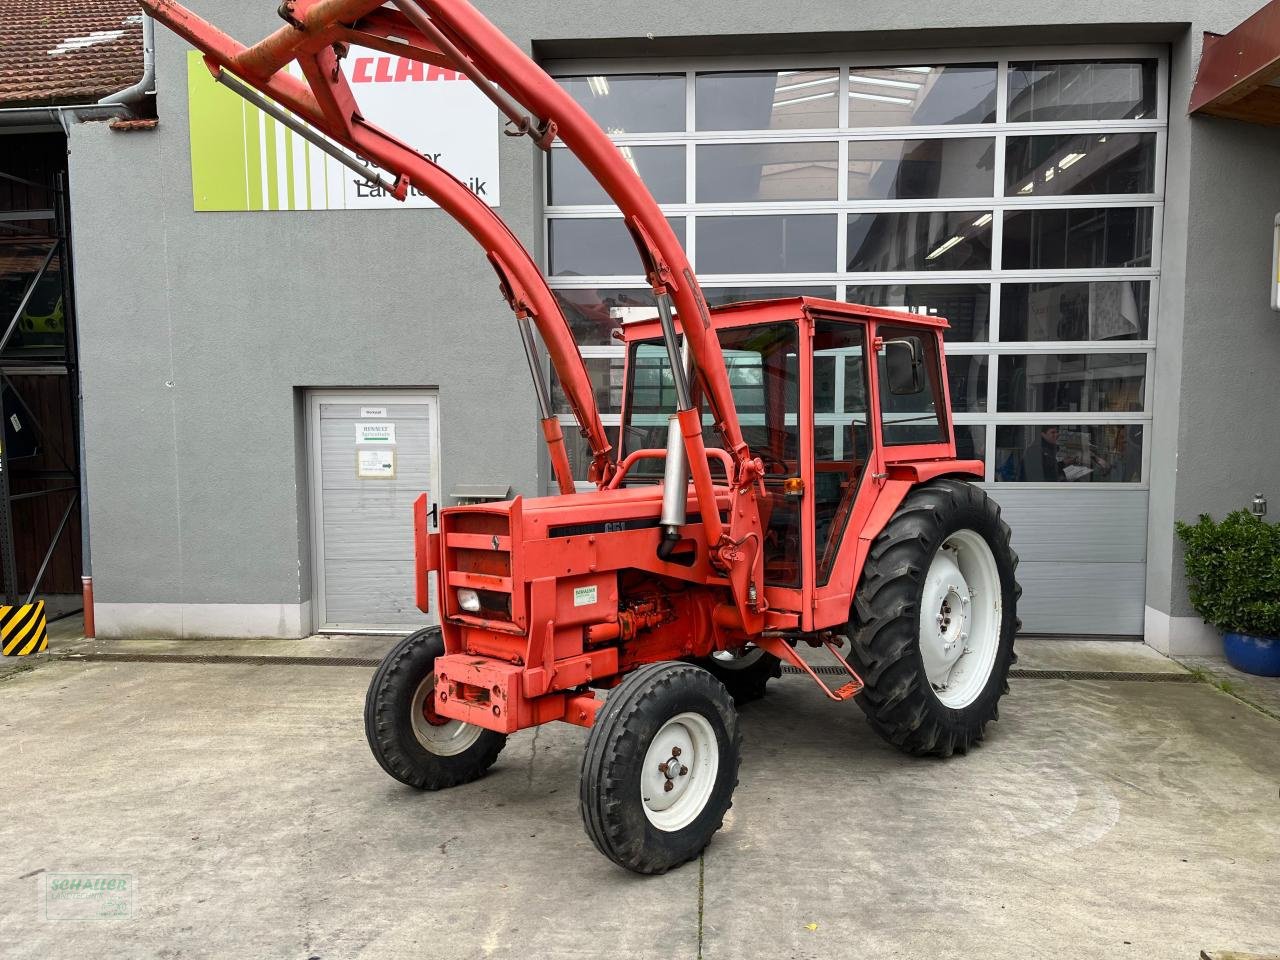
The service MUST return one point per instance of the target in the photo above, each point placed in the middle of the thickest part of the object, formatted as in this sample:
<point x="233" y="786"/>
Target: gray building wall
<point x="199" y="330"/>
<point x="1228" y="424"/>
<point x="1229" y="429"/>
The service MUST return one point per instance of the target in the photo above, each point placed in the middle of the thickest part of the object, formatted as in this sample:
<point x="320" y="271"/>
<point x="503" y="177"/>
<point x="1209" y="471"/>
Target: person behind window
<point x="1040" y="460"/>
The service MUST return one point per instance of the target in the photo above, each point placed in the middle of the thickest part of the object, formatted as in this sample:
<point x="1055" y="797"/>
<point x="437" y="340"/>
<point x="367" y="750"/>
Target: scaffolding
<point x="39" y="465"/>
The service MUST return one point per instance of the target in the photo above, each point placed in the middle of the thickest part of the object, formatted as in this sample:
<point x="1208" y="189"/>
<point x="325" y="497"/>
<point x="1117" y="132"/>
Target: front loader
<point x="784" y="479"/>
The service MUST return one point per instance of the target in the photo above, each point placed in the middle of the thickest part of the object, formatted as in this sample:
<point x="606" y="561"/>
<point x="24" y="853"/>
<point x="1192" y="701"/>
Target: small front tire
<point x="408" y="738"/>
<point x="660" y="767"/>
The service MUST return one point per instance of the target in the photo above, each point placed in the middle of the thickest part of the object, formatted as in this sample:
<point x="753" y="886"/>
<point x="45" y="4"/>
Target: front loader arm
<point x="736" y="547"/>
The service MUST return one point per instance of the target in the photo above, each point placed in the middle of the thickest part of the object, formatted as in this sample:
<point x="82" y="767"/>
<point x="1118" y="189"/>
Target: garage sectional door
<point x="372" y="455"/>
<point x="1017" y="192"/>
<point x="1082" y="559"/>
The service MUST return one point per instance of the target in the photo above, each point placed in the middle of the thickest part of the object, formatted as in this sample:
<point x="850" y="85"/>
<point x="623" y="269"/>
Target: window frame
<point x="993" y="279"/>
<point x="936" y="382"/>
<point x="835" y="420"/>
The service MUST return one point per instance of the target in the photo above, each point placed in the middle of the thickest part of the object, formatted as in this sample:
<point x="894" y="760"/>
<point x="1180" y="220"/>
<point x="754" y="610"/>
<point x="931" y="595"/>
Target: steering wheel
<point x="769" y="459"/>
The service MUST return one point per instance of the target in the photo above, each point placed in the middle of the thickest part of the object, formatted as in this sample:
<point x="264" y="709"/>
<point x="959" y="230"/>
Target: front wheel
<point x="660" y="767"/>
<point x="408" y="738"/>
<point x="934" y="620"/>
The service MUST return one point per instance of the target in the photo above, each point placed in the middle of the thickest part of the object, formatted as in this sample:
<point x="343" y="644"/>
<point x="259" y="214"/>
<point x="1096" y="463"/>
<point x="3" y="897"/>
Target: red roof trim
<point x="1236" y="70"/>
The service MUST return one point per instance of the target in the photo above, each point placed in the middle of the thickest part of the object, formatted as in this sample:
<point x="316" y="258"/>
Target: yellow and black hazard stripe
<point x="23" y="629"/>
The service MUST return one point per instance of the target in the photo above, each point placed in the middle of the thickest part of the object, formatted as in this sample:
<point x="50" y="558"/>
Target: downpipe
<point x="146" y="83"/>
<point x="114" y="103"/>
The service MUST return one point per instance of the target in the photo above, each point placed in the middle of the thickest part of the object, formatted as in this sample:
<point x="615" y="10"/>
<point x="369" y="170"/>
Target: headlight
<point x="468" y="600"/>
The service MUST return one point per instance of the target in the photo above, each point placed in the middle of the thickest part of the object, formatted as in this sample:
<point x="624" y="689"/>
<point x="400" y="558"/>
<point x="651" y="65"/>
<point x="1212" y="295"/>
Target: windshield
<point x="763" y="368"/>
<point x="764" y="374"/>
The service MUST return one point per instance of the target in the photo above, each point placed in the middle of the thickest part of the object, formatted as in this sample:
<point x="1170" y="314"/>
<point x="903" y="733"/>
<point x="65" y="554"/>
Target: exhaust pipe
<point x="675" y="475"/>
<point x="675" y="481"/>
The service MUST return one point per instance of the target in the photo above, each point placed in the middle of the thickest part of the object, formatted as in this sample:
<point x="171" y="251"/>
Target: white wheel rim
<point x="960" y="617"/>
<point x="683" y="753"/>
<point x="447" y="739"/>
<point x="738" y="659"/>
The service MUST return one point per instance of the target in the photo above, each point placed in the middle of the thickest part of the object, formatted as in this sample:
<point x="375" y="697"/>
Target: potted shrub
<point x="1233" y="571"/>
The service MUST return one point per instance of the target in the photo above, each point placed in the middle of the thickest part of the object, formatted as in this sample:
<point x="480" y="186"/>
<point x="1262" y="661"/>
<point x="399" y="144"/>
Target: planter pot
<point x="1257" y="655"/>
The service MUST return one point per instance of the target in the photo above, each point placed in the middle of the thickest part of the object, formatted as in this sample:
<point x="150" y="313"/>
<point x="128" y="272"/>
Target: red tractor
<point x="785" y="477"/>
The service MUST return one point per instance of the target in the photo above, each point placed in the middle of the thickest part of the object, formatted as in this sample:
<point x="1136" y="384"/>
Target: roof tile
<point x="56" y="52"/>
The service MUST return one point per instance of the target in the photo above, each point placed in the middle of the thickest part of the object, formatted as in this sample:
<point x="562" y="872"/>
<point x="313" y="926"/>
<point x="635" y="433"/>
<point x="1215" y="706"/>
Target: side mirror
<point x="904" y="365"/>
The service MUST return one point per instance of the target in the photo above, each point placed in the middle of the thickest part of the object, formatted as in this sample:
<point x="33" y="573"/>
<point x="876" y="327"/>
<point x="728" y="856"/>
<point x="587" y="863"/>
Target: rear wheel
<point x="408" y="738"/>
<point x="660" y="767"/>
<point x="744" y="671"/>
<point x="934" y="620"/>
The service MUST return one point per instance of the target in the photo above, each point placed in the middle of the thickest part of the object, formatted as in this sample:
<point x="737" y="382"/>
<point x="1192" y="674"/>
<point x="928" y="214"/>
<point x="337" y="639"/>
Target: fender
<point x="903" y="478"/>
<point x="926" y="470"/>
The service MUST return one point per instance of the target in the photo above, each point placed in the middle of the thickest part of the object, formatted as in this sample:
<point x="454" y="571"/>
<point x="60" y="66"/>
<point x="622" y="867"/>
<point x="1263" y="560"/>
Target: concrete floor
<point x="1101" y="819"/>
<point x="1262" y="692"/>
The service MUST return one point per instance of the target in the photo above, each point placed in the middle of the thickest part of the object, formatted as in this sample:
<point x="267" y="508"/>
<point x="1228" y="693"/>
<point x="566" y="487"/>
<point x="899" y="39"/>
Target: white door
<point x="371" y="455"/>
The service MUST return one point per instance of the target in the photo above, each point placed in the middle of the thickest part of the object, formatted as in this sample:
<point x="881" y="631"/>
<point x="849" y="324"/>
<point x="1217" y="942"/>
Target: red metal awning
<point x="1239" y="75"/>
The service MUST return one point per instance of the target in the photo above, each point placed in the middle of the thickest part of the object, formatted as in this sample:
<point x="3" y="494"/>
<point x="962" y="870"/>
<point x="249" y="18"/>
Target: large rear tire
<point x="744" y="672"/>
<point x="934" y="620"/>
<point x="660" y="767"/>
<point x="408" y="738"/>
